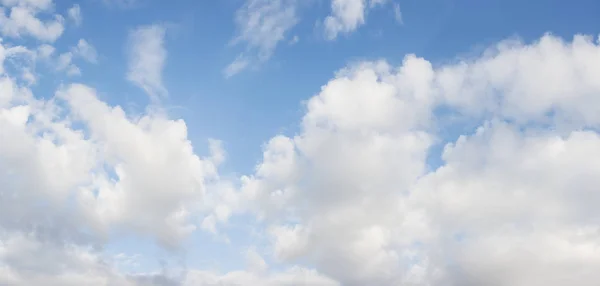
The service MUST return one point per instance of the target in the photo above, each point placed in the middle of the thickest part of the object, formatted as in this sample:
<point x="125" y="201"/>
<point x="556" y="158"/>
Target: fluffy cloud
<point x="37" y="4"/>
<point x="66" y="189"/>
<point x="510" y="204"/>
<point x="354" y="194"/>
<point x="147" y="56"/>
<point x="18" y="18"/>
<point x="140" y="152"/>
<point x="292" y="276"/>
<point x="76" y="172"/>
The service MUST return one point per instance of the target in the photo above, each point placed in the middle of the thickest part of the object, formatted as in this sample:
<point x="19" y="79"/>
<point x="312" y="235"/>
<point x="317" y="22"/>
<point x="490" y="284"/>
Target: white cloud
<point x="37" y="4"/>
<point x="261" y="25"/>
<point x="45" y="51"/>
<point x="398" y="13"/>
<point x="155" y="157"/>
<point x="19" y="18"/>
<point x="352" y="195"/>
<point x="236" y="66"/>
<point x="74" y="14"/>
<point x="347" y="15"/>
<point x="292" y="276"/>
<point x="147" y="56"/>
<point x="64" y="62"/>
<point x="512" y="204"/>
<point x="67" y="189"/>
<point x="86" y="51"/>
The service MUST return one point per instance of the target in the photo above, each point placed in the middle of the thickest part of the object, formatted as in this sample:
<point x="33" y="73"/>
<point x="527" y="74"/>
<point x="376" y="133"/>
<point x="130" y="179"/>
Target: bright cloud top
<point x="352" y="198"/>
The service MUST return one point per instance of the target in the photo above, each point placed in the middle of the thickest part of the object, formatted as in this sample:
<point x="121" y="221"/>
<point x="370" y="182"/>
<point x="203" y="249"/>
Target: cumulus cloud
<point x="263" y="24"/>
<point x="511" y="203"/>
<point x="75" y="171"/>
<point x="146" y="59"/>
<point x="66" y="189"/>
<point x="19" y="18"/>
<point x="37" y="4"/>
<point x="351" y="199"/>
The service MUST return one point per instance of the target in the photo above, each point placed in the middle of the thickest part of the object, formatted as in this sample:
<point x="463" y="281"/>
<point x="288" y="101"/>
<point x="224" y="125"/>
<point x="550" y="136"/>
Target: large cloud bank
<point x="359" y="196"/>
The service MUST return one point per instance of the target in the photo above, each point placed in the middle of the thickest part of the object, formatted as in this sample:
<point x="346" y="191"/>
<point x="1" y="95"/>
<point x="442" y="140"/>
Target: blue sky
<point x="258" y="141"/>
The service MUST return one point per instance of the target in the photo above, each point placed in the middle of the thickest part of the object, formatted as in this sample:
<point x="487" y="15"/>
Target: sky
<point x="289" y="142"/>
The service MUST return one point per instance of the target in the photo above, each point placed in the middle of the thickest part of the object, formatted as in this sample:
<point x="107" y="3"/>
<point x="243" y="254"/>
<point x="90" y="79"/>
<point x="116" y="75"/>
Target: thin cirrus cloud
<point x="146" y="59"/>
<point x="347" y="15"/>
<point x="262" y="25"/>
<point x="74" y="14"/>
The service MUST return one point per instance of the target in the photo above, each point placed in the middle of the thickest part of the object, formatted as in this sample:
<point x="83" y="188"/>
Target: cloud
<point x="86" y="51"/>
<point x="74" y="14"/>
<point x="347" y="15"/>
<point x="19" y="18"/>
<point x="261" y="25"/>
<point x="154" y="143"/>
<point x="292" y="276"/>
<point x="68" y="189"/>
<point x="64" y="62"/>
<point x="351" y="199"/>
<point x="45" y="51"/>
<point x="236" y="66"/>
<point x="146" y="59"/>
<point x="512" y="202"/>
<point x="36" y="4"/>
<point x="398" y="14"/>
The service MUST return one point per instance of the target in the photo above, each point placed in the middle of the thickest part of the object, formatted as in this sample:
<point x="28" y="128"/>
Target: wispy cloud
<point x="146" y="59"/>
<point x="74" y="14"/>
<point x="398" y="14"/>
<point x="261" y="25"/>
<point x="347" y="15"/>
<point x="236" y="66"/>
<point x="86" y="51"/>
